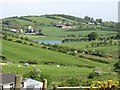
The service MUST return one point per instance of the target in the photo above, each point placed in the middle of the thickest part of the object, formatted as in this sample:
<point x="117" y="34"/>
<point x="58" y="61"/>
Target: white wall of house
<point x="8" y="86"/>
<point x="28" y="83"/>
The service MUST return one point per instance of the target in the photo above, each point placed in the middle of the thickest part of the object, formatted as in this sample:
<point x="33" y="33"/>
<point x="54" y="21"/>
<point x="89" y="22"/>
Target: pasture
<point x="59" y="74"/>
<point x="46" y="59"/>
<point x="111" y="49"/>
<point x="25" y="53"/>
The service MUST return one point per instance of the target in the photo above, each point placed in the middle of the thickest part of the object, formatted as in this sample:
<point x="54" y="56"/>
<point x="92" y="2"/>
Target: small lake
<point x="49" y="41"/>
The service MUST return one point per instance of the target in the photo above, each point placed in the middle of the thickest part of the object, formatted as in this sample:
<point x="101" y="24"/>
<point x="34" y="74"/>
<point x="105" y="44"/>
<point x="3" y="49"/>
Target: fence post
<point x="18" y="80"/>
<point x="54" y="86"/>
<point x="44" y="84"/>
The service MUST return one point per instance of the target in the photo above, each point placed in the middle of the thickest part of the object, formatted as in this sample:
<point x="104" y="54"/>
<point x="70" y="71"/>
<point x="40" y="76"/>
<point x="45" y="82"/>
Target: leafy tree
<point x="92" y="20"/>
<point x="18" y="41"/>
<point x="37" y="75"/>
<point x="118" y="35"/>
<point x="95" y="23"/>
<point x="87" y="18"/>
<point x="5" y="37"/>
<point x="117" y="67"/>
<point x="92" y="36"/>
<point x="99" y="20"/>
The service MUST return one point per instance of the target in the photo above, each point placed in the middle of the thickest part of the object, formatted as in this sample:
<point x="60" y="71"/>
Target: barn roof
<point x="7" y="78"/>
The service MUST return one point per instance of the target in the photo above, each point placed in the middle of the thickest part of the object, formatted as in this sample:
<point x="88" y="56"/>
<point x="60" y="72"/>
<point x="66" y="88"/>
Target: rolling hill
<point x="57" y="27"/>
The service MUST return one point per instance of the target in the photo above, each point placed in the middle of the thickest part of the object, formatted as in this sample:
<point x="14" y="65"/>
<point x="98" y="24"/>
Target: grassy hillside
<point x="46" y="57"/>
<point x="82" y="45"/>
<point x="15" y="52"/>
<point x="46" y="22"/>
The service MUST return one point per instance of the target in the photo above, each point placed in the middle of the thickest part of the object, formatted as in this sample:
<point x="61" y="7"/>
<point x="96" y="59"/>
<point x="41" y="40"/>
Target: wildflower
<point x="114" y="86"/>
<point x="92" y="85"/>
<point x="99" y="83"/>
<point x="110" y="81"/>
<point x="105" y="84"/>
<point x="117" y="83"/>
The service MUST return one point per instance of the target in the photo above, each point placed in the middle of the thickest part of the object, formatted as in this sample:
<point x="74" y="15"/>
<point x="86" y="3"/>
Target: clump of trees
<point x="92" y="36"/>
<point x="117" y="67"/>
<point x="104" y="43"/>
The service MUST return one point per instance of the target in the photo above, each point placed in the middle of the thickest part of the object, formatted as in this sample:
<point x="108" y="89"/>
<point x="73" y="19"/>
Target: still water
<point x="50" y="41"/>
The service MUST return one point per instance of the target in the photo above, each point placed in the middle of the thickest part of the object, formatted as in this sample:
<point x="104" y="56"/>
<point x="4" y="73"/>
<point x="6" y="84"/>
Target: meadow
<point x="47" y="60"/>
<point x="112" y="49"/>
<point x="25" y="53"/>
<point x="69" y="65"/>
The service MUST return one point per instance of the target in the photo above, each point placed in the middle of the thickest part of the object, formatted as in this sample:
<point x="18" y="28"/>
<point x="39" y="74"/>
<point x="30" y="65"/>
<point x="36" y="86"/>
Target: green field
<point x="55" y="73"/>
<point x="46" y="59"/>
<point x="113" y="50"/>
<point x="46" y="25"/>
<point x="15" y="52"/>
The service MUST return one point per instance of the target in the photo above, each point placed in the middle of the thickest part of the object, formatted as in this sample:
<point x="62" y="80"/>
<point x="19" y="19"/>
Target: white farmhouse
<point x="7" y="82"/>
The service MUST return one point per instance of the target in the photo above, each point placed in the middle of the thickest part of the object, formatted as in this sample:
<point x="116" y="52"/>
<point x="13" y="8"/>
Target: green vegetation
<point x="88" y="52"/>
<point x="50" y="60"/>
<point x="92" y="36"/>
<point x="41" y="55"/>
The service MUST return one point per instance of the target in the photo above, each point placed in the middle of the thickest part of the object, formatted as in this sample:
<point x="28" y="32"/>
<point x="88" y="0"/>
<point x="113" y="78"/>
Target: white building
<point x="7" y="81"/>
<point x="13" y="30"/>
<point x="33" y="84"/>
<point x="30" y="27"/>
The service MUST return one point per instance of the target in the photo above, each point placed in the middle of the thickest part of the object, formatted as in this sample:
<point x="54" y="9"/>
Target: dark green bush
<point x="21" y="61"/>
<point x="21" y="38"/>
<point x="74" y="81"/>
<point x="32" y="62"/>
<point x="5" y="36"/>
<point x="10" y="39"/>
<point x="37" y="75"/>
<point x="31" y="44"/>
<point x="25" y="43"/>
<point x="26" y="38"/>
<point x="18" y="41"/>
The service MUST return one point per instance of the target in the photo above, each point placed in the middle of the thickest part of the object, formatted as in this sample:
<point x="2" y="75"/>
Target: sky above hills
<point x="105" y="9"/>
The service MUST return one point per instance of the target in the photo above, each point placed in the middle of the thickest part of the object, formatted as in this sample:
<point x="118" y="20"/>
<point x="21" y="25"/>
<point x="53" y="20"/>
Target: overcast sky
<point x="105" y="9"/>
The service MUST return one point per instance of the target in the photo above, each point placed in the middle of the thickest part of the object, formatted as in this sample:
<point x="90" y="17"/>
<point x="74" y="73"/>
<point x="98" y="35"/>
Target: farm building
<point x="32" y="31"/>
<point x="62" y="26"/>
<point x="30" y="83"/>
<point x="8" y="81"/>
<point x="13" y="30"/>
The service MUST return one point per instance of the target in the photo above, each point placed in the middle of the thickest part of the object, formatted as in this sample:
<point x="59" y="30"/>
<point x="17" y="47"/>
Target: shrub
<point x="21" y="38"/>
<point x="92" y="36"/>
<point x="117" y="67"/>
<point x="92" y="75"/>
<point x="44" y="47"/>
<point x="21" y="61"/>
<point x="2" y="57"/>
<point x="18" y="41"/>
<point x="74" y="81"/>
<point x="26" y="38"/>
<point x="25" y="43"/>
<point x="96" y="72"/>
<point x="5" y="37"/>
<point x="108" y="85"/>
<point x="37" y="75"/>
<point x="31" y="44"/>
<point x="32" y="62"/>
<point x="10" y="39"/>
<point x="16" y="36"/>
